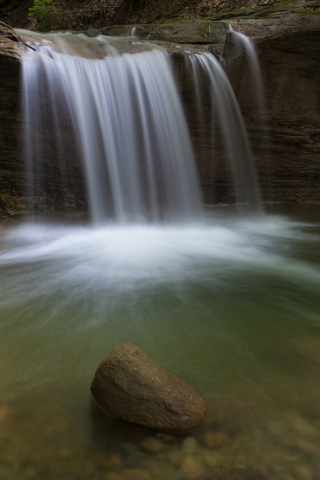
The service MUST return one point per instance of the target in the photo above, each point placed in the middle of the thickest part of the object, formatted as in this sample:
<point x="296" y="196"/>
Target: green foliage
<point x="42" y="11"/>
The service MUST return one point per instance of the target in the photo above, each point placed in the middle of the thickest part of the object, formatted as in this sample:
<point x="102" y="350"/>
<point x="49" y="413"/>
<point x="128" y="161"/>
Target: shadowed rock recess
<point x="286" y="145"/>
<point x="130" y="385"/>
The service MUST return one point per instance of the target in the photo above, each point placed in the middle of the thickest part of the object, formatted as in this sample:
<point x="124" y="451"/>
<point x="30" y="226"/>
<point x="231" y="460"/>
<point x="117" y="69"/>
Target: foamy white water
<point x="118" y="255"/>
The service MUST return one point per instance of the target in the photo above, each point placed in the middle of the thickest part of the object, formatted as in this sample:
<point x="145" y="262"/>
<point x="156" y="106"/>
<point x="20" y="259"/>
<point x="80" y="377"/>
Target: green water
<point x="215" y="303"/>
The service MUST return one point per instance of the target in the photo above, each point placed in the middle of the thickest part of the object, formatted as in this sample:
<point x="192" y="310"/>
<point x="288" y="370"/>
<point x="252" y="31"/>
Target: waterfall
<point x="253" y="64"/>
<point x="254" y="83"/>
<point x="132" y="32"/>
<point x="225" y="107"/>
<point x="129" y="126"/>
<point x="120" y="112"/>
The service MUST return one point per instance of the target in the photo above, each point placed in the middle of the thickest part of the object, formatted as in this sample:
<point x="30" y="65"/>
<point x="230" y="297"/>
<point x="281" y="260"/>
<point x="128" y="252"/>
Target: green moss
<point x="187" y="31"/>
<point x="287" y="3"/>
<point x="42" y="11"/>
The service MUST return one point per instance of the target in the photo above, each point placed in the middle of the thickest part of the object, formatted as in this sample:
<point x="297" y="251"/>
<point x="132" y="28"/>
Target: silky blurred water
<point x="212" y="302"/>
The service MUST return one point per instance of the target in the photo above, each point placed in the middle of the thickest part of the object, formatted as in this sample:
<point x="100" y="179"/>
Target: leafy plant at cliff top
<point x="42" y="11"/>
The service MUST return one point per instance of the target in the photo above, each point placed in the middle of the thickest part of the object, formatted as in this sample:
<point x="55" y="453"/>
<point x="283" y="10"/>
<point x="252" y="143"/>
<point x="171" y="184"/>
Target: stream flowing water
<point x="228" y="303"/>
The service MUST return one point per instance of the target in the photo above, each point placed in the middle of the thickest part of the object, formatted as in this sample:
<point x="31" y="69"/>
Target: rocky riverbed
<point x="239" y="324"/>
<point x="271" y="428"/>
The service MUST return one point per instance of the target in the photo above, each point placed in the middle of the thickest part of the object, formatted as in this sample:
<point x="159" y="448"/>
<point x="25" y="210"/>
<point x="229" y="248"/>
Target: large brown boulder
<point x="130" y="385"/>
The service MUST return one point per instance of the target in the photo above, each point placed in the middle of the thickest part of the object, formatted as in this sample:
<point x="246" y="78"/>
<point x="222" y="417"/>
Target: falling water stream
<point x="130" y="126"/>
<point x="227" y="302"/>
<point x="230" y="118"/>
<point x="253" y="80"/>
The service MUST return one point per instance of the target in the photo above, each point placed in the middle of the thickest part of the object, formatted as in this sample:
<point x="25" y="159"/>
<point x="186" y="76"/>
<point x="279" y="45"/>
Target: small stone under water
<point x="224" y="473"/>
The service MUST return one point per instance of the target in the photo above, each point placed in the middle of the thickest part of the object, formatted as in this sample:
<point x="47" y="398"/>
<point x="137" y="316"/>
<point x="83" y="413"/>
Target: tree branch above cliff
<point x="16" y="35"/>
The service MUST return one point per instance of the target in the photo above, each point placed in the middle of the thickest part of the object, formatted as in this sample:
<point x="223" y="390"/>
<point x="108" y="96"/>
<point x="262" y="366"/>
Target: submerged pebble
<point x="4" y="412"/>
<point x="133" y="459"/>
<point x="189" y="445"/>
<point x="230" y="474"/>
<point x="213" y="458"/>
<point x="152" y="445"/>
<point x="166" y="437"/>
<point x="216" y="440"/>
<point x="133" y="474"/>
<point x="192" y="465"/>
<point x="115" y="461"/>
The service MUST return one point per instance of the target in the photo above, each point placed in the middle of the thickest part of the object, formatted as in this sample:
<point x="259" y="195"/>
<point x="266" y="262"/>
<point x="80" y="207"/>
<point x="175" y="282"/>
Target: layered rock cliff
<point x="288" y="161"/>
<point x="51" y="192"/>
<point x="286" y="147"/>
<point x="12" y="179"/>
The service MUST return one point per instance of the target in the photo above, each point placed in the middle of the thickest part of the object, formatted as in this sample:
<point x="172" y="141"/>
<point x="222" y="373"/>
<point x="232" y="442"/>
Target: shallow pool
<point x="229" y="304"/>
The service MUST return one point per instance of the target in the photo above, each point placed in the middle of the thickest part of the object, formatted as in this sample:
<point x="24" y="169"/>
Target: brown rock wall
<point x="11" y="165"/>
<point x="52" y="191"/>
<point x="288" y="158"/>
<point x="285" y="134"/>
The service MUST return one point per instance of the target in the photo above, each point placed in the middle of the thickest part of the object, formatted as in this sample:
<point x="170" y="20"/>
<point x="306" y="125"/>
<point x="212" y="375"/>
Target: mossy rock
<point x="189" y="31"/>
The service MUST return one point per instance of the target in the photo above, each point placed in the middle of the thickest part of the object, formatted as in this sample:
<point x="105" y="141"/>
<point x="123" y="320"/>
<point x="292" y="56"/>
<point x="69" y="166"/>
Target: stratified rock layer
<point x="286" y="146"/>
<point x="12" y="178"/>
<point x="189" y="31"/>
<point x="50" y="191"/>
<point x="130" y="385"/>
<point x="288" y="158"/>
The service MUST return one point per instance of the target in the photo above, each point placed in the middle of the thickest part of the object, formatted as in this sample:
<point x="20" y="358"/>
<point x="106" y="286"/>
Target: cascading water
<point x="251" y="55"/>
<point x="226" y="108"/>
<point x="130" y="127"/>
<point x="132" y="32"/>
<point x="254" y="68"/>
<point x="252" y="80"/>
<point x="128" y="124"/>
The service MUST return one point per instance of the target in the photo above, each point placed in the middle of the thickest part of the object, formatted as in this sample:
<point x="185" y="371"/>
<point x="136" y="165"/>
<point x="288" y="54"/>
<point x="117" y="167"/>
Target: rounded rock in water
<point x="130" y="385"/>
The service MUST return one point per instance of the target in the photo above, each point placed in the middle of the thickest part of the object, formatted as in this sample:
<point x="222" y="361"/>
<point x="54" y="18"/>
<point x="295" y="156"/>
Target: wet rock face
<point x="188" y="31"/>
<point x="288" y="157"/>
<point x="130" y="385"/>
<point x="286" y="146"/>
<point x="51" y="191"/>
<point x="11" y="165"/>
